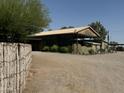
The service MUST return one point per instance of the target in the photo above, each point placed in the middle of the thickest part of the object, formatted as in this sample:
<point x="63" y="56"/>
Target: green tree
<point x="97" y="26"/>
<point x="19" y="18"/>
<point x="113" y="42"/>
<point x="66" y="27"/>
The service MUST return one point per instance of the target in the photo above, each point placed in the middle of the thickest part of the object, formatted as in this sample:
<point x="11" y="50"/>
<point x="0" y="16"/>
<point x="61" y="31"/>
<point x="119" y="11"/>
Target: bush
<point x="110" y="50"/>
<point x="46" y="48"/>
<point x="91" y="51"/>
<point x="120" y="48"/>
<point x="54" y="48"/>
<point x="102" y="50"/>
<point x="64" y="49"/>
<point x="70" y="49"/>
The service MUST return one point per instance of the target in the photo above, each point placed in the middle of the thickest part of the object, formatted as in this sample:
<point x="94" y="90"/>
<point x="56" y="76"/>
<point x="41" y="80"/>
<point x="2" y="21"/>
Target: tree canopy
<point x="97" y="26"/>
<point x="113" y="42"/>
<point x="19" y="18"/>
<point x="66" y="27"/>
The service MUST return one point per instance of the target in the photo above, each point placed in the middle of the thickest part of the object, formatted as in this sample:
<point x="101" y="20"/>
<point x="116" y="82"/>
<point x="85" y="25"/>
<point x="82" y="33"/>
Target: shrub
<point x="120" y="48"/>
<point x="64" y="49"/>
<point x="54" y="48"/>
<point x="91" y="51"/>
<point x="84" y="50"/>
<point x="70" y="49"/>
<point x="46" y="48"/>
<point x="110" y="50"/>
<point x="102" y="50"/>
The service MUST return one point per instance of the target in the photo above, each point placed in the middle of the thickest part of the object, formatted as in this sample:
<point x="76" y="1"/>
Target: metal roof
<point x="66" y="31"/>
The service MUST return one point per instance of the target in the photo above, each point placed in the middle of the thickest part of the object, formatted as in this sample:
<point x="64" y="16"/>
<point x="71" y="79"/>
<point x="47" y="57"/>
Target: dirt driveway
<point x="64" y="73"/>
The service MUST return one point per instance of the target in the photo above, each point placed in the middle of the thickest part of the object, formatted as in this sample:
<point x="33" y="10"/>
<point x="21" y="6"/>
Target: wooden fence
<point x="15" y="60"/>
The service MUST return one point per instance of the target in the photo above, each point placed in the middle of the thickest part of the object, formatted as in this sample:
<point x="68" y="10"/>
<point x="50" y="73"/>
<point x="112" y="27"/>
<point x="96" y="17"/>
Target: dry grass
<point x="64" y="73"/>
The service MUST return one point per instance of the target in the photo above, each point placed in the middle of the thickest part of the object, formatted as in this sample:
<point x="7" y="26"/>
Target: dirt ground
<point x="65" y="73"/>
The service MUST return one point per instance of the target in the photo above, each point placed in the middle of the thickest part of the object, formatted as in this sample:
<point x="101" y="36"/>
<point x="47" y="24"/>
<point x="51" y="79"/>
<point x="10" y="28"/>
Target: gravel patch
<point x="65" y="73"/>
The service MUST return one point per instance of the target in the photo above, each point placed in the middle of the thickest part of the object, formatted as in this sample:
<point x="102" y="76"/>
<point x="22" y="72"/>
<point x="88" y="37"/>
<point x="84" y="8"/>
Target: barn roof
<point x="87" y="31"/>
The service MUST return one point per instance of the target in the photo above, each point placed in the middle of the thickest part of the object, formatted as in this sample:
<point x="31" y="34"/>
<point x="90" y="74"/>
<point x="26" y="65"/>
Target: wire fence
<point x="15" y="59"/>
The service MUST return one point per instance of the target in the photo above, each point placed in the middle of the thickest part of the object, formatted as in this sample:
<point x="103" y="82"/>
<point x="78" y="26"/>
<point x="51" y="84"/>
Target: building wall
<point x="15" y="60"/>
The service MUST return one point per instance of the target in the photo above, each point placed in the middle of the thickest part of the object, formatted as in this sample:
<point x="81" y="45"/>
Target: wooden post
<point x="77" y="50"/>
<point x="13" y="66"/>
